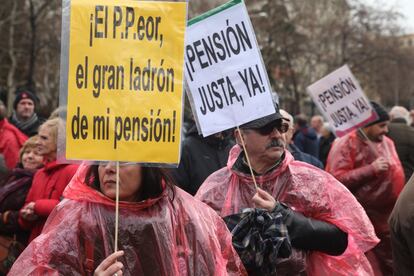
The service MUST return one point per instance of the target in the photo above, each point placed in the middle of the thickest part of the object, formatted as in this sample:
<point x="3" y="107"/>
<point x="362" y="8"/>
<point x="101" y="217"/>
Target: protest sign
<point x="123" y="70"/>
<point x="341" y="100"/>
<point x="225" y="75"/>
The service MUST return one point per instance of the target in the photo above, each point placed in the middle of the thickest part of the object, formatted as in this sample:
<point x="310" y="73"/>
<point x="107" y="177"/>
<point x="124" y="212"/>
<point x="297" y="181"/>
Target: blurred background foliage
<point x="300" y="40"/>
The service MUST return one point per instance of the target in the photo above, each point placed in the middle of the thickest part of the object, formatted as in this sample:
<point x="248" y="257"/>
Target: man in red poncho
<point x="302" y="187"/>
<point x="372" y="171"/>
<point x="11" y="140"/>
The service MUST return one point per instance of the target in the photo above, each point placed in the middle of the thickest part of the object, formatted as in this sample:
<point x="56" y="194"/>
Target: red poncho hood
<point x="79" y="191"/>
<point x="308" y="190"/>
<point x="161" y="236"/>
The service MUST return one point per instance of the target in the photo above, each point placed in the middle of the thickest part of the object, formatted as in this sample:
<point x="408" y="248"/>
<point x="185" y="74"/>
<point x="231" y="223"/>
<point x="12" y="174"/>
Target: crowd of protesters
<point x="335" y="206"/>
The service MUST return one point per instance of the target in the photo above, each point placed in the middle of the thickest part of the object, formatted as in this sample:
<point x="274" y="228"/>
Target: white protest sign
<point x="225" y="75"/>
<point x="341" y="100"/>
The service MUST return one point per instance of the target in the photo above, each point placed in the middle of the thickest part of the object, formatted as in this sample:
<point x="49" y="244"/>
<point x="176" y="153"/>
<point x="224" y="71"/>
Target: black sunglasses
<point x="267" y="129"/>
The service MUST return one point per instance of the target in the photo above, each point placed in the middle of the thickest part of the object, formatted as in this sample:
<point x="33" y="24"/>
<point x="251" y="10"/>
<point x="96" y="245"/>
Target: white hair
<point x="318" y="117"/>
<point x="287" y="116"/>
<point x="400" y="112"/>
<point x="327" y="126"/>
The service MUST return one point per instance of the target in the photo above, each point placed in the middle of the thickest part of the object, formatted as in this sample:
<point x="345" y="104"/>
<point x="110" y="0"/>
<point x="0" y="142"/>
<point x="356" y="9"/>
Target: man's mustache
<point x="276" y="143"/>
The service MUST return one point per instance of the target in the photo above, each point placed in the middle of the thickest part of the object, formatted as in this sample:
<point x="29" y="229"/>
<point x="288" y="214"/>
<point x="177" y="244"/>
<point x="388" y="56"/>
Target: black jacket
<point x="325" y="145"/>
<point x="307" y="233"/>
<point x="311" y="234"/>
<point x="200" y="157"/>
<point x="306" y="139"/>
<point x="304" y="157"/>
<point x="402" y="231"/>
<point x="403" y="137"/>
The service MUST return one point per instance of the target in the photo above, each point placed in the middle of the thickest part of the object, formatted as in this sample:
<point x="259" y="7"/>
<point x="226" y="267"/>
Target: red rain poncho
<point x="160" y="236"/>
<point x="350" y="162"/>
<point x="308" y="190"/>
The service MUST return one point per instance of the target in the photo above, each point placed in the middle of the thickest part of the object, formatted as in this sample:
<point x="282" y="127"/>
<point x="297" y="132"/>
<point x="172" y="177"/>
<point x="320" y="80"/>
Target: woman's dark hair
<point x="151" y="181"/>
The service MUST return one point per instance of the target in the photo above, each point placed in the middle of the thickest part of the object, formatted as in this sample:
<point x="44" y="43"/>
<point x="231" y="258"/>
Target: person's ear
<point x="237" y="133"/>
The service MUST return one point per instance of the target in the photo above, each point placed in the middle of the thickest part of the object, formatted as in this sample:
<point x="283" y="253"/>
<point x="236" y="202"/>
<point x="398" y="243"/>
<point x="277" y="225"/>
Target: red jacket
<point x="350" y="161"/>
<point x="47" y="188"/>
<point x="11" y="140"/>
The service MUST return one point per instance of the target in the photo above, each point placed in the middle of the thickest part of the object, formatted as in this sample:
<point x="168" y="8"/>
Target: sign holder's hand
<point x="264" y="200"/>
<point x="110" y="266"/>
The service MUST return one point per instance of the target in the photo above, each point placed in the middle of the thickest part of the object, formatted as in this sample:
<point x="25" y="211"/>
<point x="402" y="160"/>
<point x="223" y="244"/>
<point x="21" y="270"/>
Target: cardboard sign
<point x="341" y="100"/>
<point x="124" y="80"/>
<point x="225" y="75"/>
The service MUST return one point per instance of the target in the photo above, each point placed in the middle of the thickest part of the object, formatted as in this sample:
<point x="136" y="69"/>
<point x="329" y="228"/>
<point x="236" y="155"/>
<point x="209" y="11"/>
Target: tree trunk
<point x="11" y="84"/>
<point x="32" y="21"/>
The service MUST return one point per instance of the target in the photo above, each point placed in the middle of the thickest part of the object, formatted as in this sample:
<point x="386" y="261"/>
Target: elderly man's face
<point x="376" y="132"/>
<point x="316" y="123"/>
<point x="264" y="148"/>
<point x="288" y="135"/>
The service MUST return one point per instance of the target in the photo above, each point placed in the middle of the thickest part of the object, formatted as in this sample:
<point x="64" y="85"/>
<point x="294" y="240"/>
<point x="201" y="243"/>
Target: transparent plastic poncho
<point x="310" y="191"/>
<point x="168" y="235"/>
<point x="350" y="161"/>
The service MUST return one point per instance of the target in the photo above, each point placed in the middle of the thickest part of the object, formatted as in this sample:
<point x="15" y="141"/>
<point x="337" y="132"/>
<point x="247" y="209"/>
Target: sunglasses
<point x="278" y="125"/>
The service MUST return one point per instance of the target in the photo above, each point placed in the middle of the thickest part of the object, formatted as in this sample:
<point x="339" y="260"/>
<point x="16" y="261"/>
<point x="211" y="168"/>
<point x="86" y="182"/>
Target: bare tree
<point x="301" y="41"/>
<point x="11" y="85"/>
<point x="305" y="40"/>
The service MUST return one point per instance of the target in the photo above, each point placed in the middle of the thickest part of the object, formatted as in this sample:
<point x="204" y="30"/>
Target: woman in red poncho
<point x="162" y="230"/>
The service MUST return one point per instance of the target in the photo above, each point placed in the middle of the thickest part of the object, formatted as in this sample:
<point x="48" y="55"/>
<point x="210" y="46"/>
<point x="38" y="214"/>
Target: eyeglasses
<point x="267" y="129"/>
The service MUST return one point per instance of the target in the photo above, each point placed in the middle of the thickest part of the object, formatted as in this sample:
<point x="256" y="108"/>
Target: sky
<point x="406" y="7"/>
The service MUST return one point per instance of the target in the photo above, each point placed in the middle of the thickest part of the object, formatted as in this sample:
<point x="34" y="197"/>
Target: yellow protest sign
<point x="124" y="80"/>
